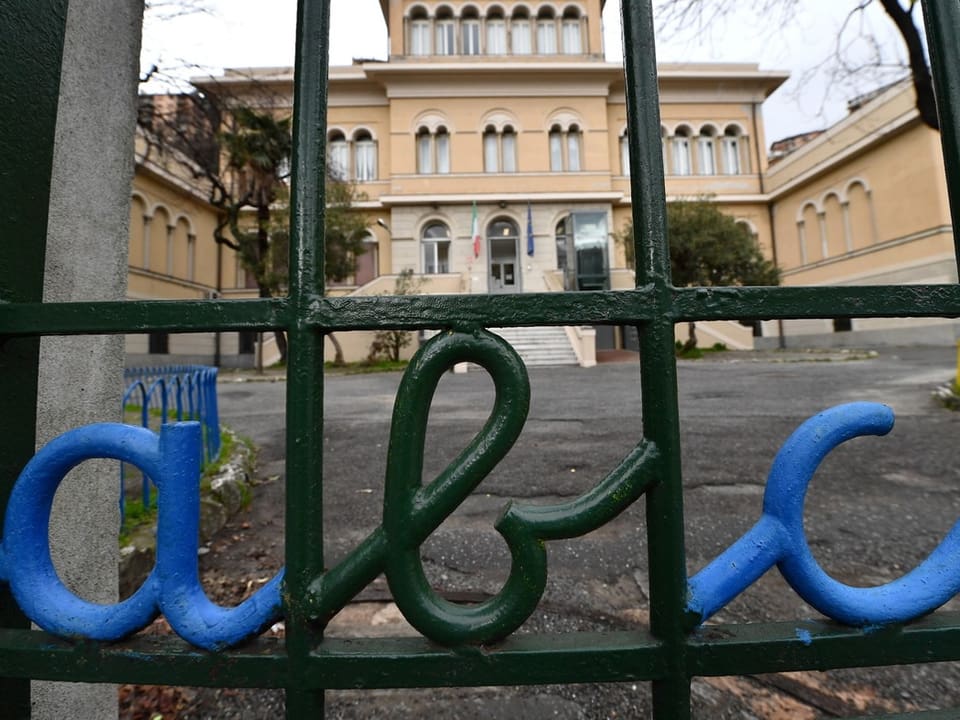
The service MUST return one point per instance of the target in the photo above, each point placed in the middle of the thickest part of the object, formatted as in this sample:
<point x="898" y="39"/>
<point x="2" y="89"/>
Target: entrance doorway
<point x="502" y="238"/>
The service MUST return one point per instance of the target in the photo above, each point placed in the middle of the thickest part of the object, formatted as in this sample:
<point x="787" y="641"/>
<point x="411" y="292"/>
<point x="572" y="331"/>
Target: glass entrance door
<point x="502" y="241"/>
<point x="503" y="277"/>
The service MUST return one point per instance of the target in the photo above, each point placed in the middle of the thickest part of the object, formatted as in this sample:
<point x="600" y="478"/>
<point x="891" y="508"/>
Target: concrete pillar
<point x="80" y="377"/>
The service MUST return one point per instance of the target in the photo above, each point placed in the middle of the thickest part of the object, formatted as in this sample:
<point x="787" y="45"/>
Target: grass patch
<point x="135" y="515"/>
<point x="695" y="353"/>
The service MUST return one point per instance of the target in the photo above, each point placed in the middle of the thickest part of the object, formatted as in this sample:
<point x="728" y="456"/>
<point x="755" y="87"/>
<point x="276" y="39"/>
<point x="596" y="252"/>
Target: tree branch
<point x="919" y="69"/>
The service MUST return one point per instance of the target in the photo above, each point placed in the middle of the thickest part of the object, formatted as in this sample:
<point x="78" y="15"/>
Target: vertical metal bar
<point x="304" y="526"/>
<point x="661" y="419"/>
<point x="30" y="55"/>
<point x="942" y="18"/>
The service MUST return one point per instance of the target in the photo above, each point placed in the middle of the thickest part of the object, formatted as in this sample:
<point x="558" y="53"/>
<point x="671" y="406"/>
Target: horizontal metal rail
<point x="416" y="312"/>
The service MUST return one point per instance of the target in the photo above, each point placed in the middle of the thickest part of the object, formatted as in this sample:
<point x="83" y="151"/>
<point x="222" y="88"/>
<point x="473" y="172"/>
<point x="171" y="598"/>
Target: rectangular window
<point x="436" y="257"/>
<point x="520" y="34"/>
<point x="731" y="156"/>
<point x="420" y="37"/>
<point x="546" y="37"/>
<point x="158" y="343"/>
<point x="366" y="168"/>
<point x="490" y="153"/>
<point x="573" y="152"/>
<point x="424" y="154"/>
<point x="706" y="161"/>
<point x="571" y="37"/>
<point x="556" y="152"/>
<point x="496" y="37"/>
<point x="624" y="156"/>
<point x="339" y="160"/>
<point x="681" y="156"/>
<point x="509" y="147"/>
<point x="445" y="37"/>
<point x="246" y="342"/>
<point x="471" y="37"/>
<point x="443" y="153"/>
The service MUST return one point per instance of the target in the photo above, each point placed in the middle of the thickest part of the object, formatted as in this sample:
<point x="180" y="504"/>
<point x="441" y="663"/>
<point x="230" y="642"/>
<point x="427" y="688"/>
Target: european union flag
<point x="529" y="231"/>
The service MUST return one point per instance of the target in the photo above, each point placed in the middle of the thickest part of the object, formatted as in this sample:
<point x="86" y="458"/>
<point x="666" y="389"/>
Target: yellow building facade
<point x="490" y="150"/>
<point x="865" y="203"/>
<point x="173" y="255"/>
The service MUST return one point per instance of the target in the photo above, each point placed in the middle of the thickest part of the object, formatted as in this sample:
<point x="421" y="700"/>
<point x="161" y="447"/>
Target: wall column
<point x="88" y="234"/>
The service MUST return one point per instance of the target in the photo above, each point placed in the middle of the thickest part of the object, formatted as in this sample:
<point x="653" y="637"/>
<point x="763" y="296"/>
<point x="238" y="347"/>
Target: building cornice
<point x="877" y="135"/>
<point x="507" y="198"/>
<point x="739" y="199"/>
<point x="670" y="74"/>
<point x="834" y="135"/>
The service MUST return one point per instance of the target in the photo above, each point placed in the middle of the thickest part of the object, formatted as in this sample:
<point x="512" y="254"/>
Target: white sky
<point x="249" y="33"/>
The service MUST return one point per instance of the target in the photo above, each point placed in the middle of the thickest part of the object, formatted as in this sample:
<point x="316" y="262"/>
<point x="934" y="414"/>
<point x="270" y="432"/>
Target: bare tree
<point x="167" y="9"/>
<point x="686" y="14"/>
<point x="237" y="150"/>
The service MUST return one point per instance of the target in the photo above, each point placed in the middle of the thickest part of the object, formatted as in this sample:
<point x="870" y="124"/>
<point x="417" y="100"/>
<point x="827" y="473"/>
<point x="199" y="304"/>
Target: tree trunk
<point x="691" y="342"/>
<point x="263" y="249"/>
<point x="278" y="335"/>
<point x="337" y="350"/>
<point x="919" y="70"/>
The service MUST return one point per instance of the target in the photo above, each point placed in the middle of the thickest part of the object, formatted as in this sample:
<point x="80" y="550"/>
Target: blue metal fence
<point x="173" y="392"/>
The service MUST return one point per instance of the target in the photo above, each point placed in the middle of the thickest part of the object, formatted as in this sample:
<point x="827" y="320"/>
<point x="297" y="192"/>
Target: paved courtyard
<point x="876" y="508"/>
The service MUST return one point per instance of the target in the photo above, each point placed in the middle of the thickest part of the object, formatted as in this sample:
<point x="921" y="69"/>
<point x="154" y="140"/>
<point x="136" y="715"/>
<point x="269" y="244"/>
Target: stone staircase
<point x="540" y="345"/>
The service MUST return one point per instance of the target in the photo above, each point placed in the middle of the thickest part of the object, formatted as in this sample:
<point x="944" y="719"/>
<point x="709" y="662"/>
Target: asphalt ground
<point x="876" y="508"/>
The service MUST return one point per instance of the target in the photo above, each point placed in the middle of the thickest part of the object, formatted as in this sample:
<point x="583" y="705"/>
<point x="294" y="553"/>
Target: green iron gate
<point x="463" y="645"/>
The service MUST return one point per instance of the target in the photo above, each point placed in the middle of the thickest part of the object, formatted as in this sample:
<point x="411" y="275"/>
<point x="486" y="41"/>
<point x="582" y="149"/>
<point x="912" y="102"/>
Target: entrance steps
<point x="540" y="345"/>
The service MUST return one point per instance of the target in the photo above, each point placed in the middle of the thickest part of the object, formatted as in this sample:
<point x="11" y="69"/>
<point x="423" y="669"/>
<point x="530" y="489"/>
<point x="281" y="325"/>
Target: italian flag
<point x="475" y="232"/>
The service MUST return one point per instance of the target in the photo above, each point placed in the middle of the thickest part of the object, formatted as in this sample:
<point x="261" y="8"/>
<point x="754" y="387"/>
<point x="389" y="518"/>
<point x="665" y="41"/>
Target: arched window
<point x="339" y="156"/>
<point x="445" y="31"/>
<point x="863" y="228"/>
<point x="508" y="149"/>
<point x="191" y="256"/>
<point x="139" y="231"/>
<point x="681" y="151"/>
<point x="424" y="151"/>
<point x="496" y="32"/>
<point x="419" y="32"/>
<point x="502" y="245"/>
<point x="436" y="248"/>
<point x="624" y="154"/>
<point x="470" y="31"/>
<point x="731" y="144"/>
<point x="364" y="157"/>
<point x="565" y="148"/>
<point x="663" y="149"/>
<point x="491" y="153"/>
<point x="706" y="151"/>
<point x="433" y="151"/>
<point x="442" y="142"/>
<point x="520" y="32"/>
<point x="556" y="148"/>
<point x="573" y="148"/>
<point x="499" y="149"/>
<point x="571" y="33"/>
<point x="546" y="32"/>
<point x="367" y="263"/>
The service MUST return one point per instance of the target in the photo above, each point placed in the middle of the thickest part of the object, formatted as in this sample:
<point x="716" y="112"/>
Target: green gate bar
<point x="305" y="664"/>
<point x="31" y="80"/>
